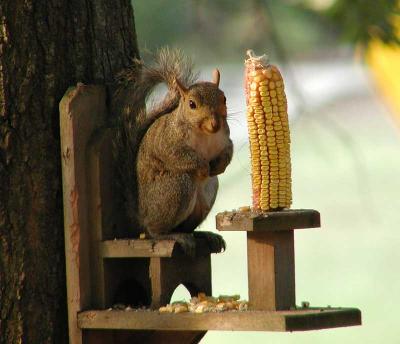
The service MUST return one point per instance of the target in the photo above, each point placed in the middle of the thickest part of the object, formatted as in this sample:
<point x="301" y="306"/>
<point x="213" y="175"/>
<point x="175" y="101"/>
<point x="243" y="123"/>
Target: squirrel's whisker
<point x="233" y="115"/>
<point x="230" y="120"/>
<point x="236" y="110"/>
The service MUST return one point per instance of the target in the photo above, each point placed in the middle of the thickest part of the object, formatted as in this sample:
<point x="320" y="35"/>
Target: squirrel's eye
<point x="224" y="100"/>
<point x="192" y="104"/>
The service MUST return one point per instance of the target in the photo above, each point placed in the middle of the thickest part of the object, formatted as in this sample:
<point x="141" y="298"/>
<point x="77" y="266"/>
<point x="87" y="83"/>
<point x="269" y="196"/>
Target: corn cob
<point x="269" y="137"/>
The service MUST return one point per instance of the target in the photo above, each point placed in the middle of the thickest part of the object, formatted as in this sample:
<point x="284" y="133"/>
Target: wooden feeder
<point x="105" y="265"/>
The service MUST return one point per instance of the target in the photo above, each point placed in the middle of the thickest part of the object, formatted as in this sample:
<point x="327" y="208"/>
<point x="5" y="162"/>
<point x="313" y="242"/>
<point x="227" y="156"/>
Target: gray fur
<point x="177" y="150"/>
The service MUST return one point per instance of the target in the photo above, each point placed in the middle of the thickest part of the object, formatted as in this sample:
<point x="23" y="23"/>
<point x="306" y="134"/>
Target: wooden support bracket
<point x="167" y="273"/>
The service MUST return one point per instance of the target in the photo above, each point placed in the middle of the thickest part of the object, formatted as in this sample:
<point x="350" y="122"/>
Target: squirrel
<point x="170" y="155"/>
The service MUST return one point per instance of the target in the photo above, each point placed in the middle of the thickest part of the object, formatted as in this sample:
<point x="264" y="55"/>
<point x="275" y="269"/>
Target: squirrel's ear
<point x="216" y="77"/>
<point x="180" y="87"/>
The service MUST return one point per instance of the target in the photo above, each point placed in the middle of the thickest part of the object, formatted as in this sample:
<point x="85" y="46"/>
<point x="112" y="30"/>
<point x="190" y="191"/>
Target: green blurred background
<point x="341" y="64"/>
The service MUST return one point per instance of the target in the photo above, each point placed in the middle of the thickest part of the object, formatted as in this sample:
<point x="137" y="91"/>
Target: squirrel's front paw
<point x="215" y="241"/>
<point x="218" y="165"/>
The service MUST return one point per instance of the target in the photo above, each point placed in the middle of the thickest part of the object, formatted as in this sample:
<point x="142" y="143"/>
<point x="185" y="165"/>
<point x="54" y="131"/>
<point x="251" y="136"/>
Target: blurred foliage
<point x="360" y="21"/>
<point x="225" y="29"/>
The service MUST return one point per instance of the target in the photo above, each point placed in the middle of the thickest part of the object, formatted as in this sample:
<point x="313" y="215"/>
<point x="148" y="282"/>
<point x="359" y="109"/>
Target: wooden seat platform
<point x="141" y="248"/>
<point x="304" y="319"/>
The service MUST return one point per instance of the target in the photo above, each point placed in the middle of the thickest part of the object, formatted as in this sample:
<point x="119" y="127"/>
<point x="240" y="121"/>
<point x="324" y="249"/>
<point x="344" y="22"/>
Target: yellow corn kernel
<point x="253" y="94"/>
<point x="259" y="77"/>
<point x="268" y="73"/>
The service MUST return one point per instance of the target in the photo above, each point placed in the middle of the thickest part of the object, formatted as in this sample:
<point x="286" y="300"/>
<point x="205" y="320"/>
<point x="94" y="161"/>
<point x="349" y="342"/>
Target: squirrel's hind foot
<point x="215" y="241"/>
<point x="186" y="241"/>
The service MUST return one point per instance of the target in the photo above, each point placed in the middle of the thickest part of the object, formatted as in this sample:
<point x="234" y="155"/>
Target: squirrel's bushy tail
<point x="135" y="85"/>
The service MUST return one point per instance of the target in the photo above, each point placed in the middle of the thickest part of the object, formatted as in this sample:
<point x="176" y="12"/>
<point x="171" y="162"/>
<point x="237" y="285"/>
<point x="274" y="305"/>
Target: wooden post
<point x="271" y="271"/>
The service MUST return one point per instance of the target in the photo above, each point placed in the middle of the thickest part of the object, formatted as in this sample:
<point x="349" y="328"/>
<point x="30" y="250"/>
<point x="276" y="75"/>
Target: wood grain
<point x="132" y="248"/>
<point x="269" y="221"/>
<point x="100" y="207"/>
<point x="271" y="271"/>
<point x="295" y="320"/>
<point x="145" y="337"/>
<point x="82" y="110"/>
<point x="167" y="273"/>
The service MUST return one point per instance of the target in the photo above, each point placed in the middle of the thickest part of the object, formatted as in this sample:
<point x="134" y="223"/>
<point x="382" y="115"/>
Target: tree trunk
<point x="45" y="47"/>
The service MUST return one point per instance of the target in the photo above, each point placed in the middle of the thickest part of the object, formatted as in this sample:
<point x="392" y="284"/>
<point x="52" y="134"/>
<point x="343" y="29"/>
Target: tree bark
<point x="45" y="47"/>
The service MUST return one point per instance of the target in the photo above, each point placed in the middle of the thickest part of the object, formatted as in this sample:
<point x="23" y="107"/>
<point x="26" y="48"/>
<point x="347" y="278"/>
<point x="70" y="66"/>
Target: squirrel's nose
<point x="215" y="125"/>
